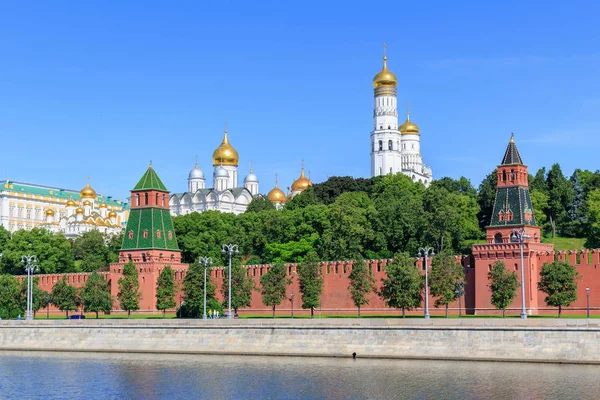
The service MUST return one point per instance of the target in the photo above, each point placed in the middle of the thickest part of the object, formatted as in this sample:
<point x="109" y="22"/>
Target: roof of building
<point x="512" y="156"/>
<point x="149" y="228"/>
<point x="150" y="181"/>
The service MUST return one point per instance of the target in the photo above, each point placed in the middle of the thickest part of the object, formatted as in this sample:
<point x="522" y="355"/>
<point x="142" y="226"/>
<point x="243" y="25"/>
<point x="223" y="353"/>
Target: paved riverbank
<point x="532" y="340"/>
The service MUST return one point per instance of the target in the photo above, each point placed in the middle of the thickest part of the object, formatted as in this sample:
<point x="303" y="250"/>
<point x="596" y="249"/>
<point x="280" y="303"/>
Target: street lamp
<point x="292" y="300"/>
<point x="459" y="290"/>
<point x="425" y="251"/>
<point x="229" y="249"/>
<point x="519" y="235"/>
<point x="205" y="261"/>
<point x="31" y="267"/>
<point x="587" y="294"/>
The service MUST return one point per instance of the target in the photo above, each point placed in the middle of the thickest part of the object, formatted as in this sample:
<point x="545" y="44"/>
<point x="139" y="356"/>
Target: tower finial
<point x="408" y="110"/>
<point x="384" y="55"/>
<point x="250" y="166"/>
<point x="150" y="163"/>
<point x="512" y="137"/>
<point x="276" y="180"/>
<point x="87" y="181"/>
<point x="303" y="164"/>
<point x="225" y="127"/>
<point x="196" y="160"/>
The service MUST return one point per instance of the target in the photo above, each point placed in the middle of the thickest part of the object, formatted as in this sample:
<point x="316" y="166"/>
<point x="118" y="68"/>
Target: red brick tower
<point x="149" y="239"/>
<point x="512" y="211"/>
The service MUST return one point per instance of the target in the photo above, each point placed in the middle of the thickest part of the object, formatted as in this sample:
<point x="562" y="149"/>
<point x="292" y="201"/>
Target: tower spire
<point x="196" y="160"/>
<point x="384" y="56"/>
<point x="408" y="110"/>
<point x="276" y="180"/>
<point x="250" y="166"/>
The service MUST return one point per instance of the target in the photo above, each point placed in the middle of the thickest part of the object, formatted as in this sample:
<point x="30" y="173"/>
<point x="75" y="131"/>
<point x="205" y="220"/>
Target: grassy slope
<point x="566" y="243"/>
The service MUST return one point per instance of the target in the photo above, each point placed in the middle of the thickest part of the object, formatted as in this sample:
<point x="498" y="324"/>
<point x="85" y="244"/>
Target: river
<point x="34" y="375"/>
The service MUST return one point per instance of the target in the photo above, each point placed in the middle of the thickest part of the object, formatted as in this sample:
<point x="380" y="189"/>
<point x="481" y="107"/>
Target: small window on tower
<point x="389" y="127"/>
<point x="390" y="170"/>
<point x="380" y="145"/>
<point x="390" y="145"/>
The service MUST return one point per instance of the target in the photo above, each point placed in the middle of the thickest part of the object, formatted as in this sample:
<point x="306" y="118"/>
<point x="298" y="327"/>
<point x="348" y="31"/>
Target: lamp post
<point x="459" y="290"/>
<point x="31" y="267"/>
<point x="292" y="300"/>
<point x="519" y="235"/>
<point x="206" y="261"/>
<point x="425" y="251"/>
<point x="229" y="249"/>
<point x="587" y="294"/>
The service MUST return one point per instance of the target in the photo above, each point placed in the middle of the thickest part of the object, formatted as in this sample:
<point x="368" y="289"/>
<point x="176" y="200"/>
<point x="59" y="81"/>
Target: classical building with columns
<point x="394" y="148"/>
<point x="28" y="206"/>
<point x="225" y="194"/>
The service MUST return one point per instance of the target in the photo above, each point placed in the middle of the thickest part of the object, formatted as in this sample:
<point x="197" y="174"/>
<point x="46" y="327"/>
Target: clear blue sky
<point x="100" y="88"/>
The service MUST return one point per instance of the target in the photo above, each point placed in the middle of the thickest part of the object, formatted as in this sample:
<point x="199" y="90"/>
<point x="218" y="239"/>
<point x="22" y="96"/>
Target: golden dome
<point x="225" y="154"/>
<point x="87" y="203"/>
<point x="49" y="213"/>
<point x="79" y="210"/>
<point x="276" y="195"/>
<point x="87" y="192"/>
<point x="103" y="205"/>
<point x="112" y="214"/>
<point x="385" y="77"/>
<point x="301" y="183"/>
<point x="408" y="127"/>
<point x="70" y="202"/>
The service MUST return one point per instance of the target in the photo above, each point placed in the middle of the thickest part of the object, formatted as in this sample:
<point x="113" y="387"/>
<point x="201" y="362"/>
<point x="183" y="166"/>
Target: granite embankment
<point x="533" y="340"/>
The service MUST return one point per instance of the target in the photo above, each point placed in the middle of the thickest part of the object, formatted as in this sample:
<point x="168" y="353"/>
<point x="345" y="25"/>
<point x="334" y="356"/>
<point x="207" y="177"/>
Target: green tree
<point x="559" y="281"/>
<point x="486" y="195"/>
<point x="593" y="223"/>
<point x="403" y="285"/>
<point x="9" y="295"/>
<point x="259" y="204"/>
<point x="274" y="285"/>
<point x="503" y="284"/>
<point x="361" y="283"/>
<point x="539" y="200"/>
<point x="95" y="294"/>
<point x="242" y="286"/>
<point x="560" y="195"/>
<point x="303" y="200"/>
<point x="327" y="192"/>
<point x="193" y="291"/>
<point x="310" y="279"/>
<point x="445" y="274"/>
<point x="129" y="289"/>
<point x="38" y="296"/>
<point x="92" y="251"/>
<point x="64" y="296"/>
<point x="165" y="290"/>
<point x="53" y="251"/>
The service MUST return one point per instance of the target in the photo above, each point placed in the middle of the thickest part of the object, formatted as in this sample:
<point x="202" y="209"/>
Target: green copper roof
<point x="512" y="156"/>
<point x="150" y="181"/>
<point x="512" y="207"/>
<point x="149" y="228"/>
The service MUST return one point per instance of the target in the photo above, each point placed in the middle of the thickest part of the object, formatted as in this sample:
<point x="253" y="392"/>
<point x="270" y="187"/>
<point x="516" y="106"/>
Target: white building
<point x="394" y="148"/>
<point x="225" y="194"/>
<point x="27" y="206"/>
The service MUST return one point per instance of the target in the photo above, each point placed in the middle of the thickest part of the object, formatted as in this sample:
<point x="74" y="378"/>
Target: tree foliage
<point x="559" y="281"/>
<point x="129" y="289"/>
<point x="362" y="283"/>
<point x="193" y="292"/>
<point x="403" y="285"/>
<point x="64" y="296"/>
<point x="274" y="285"/>
<point x="38" y="296"/>
<point x="165" y="290"/>
<point x="445" y="274"/>
<point x="310" y="279"/>
<point x="242" y="286"/>
<point x="95" y="294"/>
<point x="9" y="295"/>
<point x="503" y="284"/>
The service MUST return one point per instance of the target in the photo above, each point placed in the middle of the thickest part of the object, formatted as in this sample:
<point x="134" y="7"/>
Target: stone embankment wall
<point x="534" y="340"/>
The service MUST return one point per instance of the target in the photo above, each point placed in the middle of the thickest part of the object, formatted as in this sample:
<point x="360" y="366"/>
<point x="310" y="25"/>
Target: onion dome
<point x="225" y="154"/>
<point x="250" y="177"/>
<point x="385" y="77"/>
<point x="70" y="202"/>
<point x="221" y="172"/>
<point x="276" y="195"/>
<point x="408" y="127"/>
<point x="301" y="183"/>
<point x="87" y="192"/>
<point x="49" y="213"/>
<point x="196" y="173"/>
<point x="87" y="203"/>
<point x="103" y="205"/>
<point x="79" y="210"/>
<point x="112" y="214"/>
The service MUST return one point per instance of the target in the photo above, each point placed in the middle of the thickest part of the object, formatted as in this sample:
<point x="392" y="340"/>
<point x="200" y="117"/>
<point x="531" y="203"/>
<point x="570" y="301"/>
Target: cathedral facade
<point x="394" y="148"/>
<point x="225" y="194"/>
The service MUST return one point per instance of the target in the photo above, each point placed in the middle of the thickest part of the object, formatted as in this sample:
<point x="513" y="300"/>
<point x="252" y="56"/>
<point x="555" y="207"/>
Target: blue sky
<point x="100" y="89"/>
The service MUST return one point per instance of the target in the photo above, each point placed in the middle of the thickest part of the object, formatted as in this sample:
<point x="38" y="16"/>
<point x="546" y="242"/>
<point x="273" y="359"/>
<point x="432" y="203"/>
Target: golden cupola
<point x="70" y="202"/>
<point x="103" y="204"/>
<point x="225" y="154"/>
<point x="49" y="213"/>
<point x="385" y="77"/>
<point x="112" y="214"/>
<point x="79" y="210"/>
<point x="276" y="195"/>
<point x="87" y="192"/>
<point x="409" y="127"/>
<point x="301" y="183"/>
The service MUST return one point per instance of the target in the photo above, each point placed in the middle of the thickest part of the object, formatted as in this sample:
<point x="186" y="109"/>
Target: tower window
<point x="145" y="199"/>
<point x="380" y="145"/>
<point x="404" y="146"/>
<point x="390" y="145"/>
<point x="390" y="170"/>
<point x="380" y="126"/>
<point x="389" y="127"/>
<point x="137" y="199"/>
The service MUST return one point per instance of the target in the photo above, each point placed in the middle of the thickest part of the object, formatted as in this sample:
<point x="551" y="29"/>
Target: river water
<point x="145" y="376"/>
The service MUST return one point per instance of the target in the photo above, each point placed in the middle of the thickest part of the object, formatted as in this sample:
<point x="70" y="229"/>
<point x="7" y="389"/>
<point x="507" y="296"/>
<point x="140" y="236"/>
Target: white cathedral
<point x="394" y="148"/>
<point x="225" y="194"/>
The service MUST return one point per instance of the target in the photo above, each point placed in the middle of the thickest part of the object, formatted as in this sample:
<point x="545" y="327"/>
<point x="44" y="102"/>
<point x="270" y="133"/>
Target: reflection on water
<point x="143" y="376"/>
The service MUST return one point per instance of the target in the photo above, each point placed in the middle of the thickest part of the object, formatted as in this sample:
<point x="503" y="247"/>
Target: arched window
<point x="143" y="257"/>
<point x="137" y="199"/>
<point x="504" y="176"/>
<point x="380" y="145"/>
<point x="512" y="174"/>
<point x="146" y="199"/>
<point x="163" y="198"/>
<point x="498" y="238"/>
<point x="390" y="145"/>
<point x="389" y="127"/>
<point x="391" y="170"/>
<point x="129" y="257"/>
<point x="156" y="199"/>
